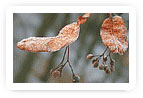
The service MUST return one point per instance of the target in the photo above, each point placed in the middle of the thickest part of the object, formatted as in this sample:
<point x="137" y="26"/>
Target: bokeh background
<point x="30" y="67"/>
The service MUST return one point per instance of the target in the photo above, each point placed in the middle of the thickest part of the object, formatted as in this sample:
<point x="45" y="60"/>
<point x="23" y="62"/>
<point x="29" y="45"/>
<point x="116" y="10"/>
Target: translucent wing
<point x="49" y="44"/>
<point x="113" y="34"/>
<point x="66" y="36"/>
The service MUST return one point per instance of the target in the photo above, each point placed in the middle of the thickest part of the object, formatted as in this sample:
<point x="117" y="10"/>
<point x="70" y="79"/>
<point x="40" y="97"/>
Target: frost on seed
<point x="66" y="36"/>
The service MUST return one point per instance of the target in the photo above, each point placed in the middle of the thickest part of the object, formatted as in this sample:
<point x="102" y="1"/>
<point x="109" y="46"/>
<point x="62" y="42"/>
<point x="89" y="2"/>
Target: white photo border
<point x="71" y="86"/>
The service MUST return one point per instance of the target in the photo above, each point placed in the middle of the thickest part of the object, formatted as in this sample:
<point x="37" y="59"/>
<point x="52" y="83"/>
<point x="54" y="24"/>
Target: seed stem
<point x="64" y="56"/>
<point x="61" y="65"/>
<point x="103" y="52"/>
<point x="73" y="74"/>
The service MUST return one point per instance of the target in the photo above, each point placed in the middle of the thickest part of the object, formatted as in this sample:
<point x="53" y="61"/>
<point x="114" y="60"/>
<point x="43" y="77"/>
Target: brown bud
<point x="76" y="79"/>
<point x="56" y="74"/>
<point x="101" y="67"/>
<point x="105" y="59"/>
<point x="94" y="60"/>
<point x="105" y="67"/>
<point x="95" y="64"/>
<point x="108" y="71"/>
<point x="90" y="56"/>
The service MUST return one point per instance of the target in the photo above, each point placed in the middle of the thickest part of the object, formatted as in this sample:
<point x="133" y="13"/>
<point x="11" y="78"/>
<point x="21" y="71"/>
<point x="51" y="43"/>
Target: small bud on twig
<point x="104" y="59"/>
<point x="76" y="79"/>
<point x="56" y="74"/>
<point x="90" y="56"/>
<point x="101" y="67"/>
<point x="108" y="71"/>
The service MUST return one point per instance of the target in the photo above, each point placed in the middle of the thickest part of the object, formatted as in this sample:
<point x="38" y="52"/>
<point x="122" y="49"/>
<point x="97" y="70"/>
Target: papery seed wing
<point x="36" y="44"/>
<point x="70" y="33"/>
<point x="113" y="34"/>
<point x="66" y="36"/>
<point x="50" y="44"/>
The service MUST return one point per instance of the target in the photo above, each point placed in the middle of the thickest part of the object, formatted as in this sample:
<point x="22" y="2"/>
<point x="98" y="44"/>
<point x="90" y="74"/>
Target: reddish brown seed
<point x="105" y="67"/>
<point x="108" y="71"/>
<point x="90" y="56"/>
<point x="101" y="67"/>
<point x="94" y="60"/>
<point x="105" y="59"/>
<point x="95" y="64"/>
<point x="56" y="74"/>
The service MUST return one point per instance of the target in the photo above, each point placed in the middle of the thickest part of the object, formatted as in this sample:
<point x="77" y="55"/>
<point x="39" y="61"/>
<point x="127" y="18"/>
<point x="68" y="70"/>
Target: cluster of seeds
<point x="57" y="72"/>
<point x="103" y="66"/>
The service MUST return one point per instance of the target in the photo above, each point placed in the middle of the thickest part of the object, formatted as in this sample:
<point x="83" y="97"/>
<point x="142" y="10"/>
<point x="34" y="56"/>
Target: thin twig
<point x="69" y="63"/>
<point x="110" y="56"/>
<point x="61" y="69"/>
<point x="61" y="63"/>
<point x="103" y="52"/>
<point x="64" y="55"/>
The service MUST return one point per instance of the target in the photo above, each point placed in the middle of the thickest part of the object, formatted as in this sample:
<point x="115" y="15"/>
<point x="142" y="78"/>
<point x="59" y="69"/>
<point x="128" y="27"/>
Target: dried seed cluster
<point x="57" y="72"/>
<point x="103" y="66"/>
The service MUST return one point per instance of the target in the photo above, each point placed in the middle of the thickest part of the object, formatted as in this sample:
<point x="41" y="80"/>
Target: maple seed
<point x="101" y="67"/>
<point x="76" y="79"/>
<point x="56" y="74"/>
<point x="90" y="56"/>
